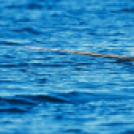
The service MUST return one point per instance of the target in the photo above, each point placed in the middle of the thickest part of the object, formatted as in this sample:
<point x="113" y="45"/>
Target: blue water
<point x="58" y="93"/>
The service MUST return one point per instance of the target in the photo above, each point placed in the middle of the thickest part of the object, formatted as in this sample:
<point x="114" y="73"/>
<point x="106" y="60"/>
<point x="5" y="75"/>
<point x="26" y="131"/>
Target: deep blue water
<point x="58" y="93"/>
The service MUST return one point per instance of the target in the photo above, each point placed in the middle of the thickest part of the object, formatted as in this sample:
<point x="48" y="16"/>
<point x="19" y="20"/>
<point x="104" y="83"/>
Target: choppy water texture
<point x="58" y="93"/>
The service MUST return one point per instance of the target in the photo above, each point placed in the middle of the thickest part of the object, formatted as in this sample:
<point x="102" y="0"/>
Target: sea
<point x="45" y="92"/>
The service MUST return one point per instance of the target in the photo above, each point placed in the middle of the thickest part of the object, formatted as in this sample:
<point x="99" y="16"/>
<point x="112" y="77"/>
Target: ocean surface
<point x="43" y="92"/>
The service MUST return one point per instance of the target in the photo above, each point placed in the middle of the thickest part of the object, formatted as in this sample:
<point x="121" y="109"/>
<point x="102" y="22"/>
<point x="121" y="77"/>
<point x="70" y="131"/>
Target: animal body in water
<point x="119" y="57"/>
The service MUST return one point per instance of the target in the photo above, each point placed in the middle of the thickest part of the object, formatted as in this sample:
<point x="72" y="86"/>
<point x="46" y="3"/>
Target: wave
<point x="23" y="103"/>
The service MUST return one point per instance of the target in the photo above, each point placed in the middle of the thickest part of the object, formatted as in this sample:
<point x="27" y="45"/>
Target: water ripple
<point x="60" y="93"/>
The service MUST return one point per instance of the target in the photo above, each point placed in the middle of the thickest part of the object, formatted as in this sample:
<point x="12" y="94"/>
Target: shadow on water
<point x="126" y="66"/>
